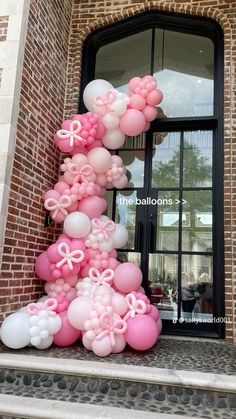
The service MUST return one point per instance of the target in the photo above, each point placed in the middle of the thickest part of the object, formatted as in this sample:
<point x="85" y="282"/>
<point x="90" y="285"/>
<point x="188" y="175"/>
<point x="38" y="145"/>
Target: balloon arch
<point x="90" y="294"/>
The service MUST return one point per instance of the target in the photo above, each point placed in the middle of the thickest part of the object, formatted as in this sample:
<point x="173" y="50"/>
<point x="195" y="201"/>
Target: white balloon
<point x="77" y="225"/>
<point x="45" y="343"/>
<point x="113" y="139"/>
<point x="118" y="107"/>
<point x="119" y="236"/>
<point x="110" y="121"/>
<point x="106" y="246"/>
<point x="79" y="311"/>
<point x="54" y="324"/>
<point x="97" y="87"/>
<point x="15" y="330"/>
<point x="86" y="342"/>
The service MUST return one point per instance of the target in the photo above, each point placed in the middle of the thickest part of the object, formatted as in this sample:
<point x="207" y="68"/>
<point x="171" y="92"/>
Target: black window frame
<point x="194" y="25"/>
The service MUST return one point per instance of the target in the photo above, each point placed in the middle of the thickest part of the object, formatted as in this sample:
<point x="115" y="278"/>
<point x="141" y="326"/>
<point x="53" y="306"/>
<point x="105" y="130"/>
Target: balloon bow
<point x="49" y="305"/>
<point x="100" y="227"/>
<point x="135" y="306"/>
<point x="60" y="205"/>
<point x="82" y="173"/>
<point x="72" y="133"/>
<point x="101" y="278"/>
<point x="104" y="102"/>
<point x="75" y="256"/>
<point x="111" y="327"/>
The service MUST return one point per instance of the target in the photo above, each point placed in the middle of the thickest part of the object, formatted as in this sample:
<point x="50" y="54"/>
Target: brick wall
<point x="36" y="160"/>
<point x="3" y="27"/>
<point x="89" y="15"/>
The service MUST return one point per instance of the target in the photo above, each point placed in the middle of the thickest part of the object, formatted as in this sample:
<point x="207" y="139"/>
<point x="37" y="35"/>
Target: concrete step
<point x="132" y="390"/>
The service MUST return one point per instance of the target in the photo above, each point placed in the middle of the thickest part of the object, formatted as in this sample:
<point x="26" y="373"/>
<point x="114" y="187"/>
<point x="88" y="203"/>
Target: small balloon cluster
<point x="89" y="293"/>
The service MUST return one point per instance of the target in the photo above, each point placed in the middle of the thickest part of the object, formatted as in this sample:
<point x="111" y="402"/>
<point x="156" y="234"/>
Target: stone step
<point x="107" y="385"/>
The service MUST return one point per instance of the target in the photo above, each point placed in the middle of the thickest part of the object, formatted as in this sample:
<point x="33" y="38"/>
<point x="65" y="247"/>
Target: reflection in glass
<point x="197" y="286"/>
<point x="197" y="235"/>
<point x="119" y="61"/>
<point x="133" y="257"/>
<point x="134" y="163"/>
<point x="197" y="163"/>
<point x="184" y="68"/>
<point x="109" y="199"/>
<point x="163" y="274"/>
<point x="165" y="160"/>
<point x="126" y="214"/>
<point x="168" y="221"/>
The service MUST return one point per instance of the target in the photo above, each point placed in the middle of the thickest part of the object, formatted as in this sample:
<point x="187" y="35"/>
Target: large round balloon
<point x="77" y="225"/>
<point x="79" y="311"/>
<point x="128" y="277"/>
<point x="67" y="334"/>
<point x="15" y="330"/>
<point x="42" y="267"/>
<point x="100" y="159"/>
<point x="141" y="332"/>
<point x="95" y="88"/>
<point x="132" y="122"/>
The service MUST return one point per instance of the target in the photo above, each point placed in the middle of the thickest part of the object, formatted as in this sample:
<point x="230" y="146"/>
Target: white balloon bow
<point x="72" y="133"/>
<point x="135" y="306"/>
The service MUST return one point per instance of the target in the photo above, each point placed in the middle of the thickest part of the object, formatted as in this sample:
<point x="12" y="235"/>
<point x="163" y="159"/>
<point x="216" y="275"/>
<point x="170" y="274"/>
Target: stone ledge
<point x="198" y="380"/>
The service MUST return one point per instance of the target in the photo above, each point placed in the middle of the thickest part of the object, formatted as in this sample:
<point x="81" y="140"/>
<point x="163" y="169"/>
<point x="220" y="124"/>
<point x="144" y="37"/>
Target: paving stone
<point x="133" y="391"/>
<point x="73" y="385"/>
<point x="92" y="386"/>
<point x="178" y="391"/>
<point x="104" y="388"/>
<point x="10" y="377"/>
<point x="196" y="399"/>
<point x="221" y="404"/>
<point x="48" y="383"/>
<point x="232" y="401"/>
<point x="173" y="399"/>
<point x="61" y="384"/>
<point x="160" y="395"/>
<point x="2" y="376"/>
<point x="115" y="385"/>
<point x="27" y="379"/>
<point x="146" y="396"/>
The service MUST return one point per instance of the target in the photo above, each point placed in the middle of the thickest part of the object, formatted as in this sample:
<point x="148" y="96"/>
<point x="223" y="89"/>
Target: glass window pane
<point x="133" y="257"/>
<point x="121" y="60"/>
<point x="134" y="163"/>
<point x="197" y="287"/>
<point x="109" y="199"/>
<point x="197" y="234"/>
<point x="163" y="274"/>
<point x="165" y="160"/>
<point x="167" y="221"/>
<point x="197" y="162"/>
<point x="184" y="69"/>
<point x="126" y="214"/>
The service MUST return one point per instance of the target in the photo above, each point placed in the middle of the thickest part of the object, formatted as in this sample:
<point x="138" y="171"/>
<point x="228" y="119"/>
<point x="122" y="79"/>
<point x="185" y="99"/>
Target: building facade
<point x="62" y="45"/>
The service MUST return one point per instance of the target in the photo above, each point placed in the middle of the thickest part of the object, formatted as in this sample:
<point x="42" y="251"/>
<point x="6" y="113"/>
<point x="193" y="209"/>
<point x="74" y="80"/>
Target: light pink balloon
<point x="113" y="139"/>
<point x="100" y="159"/>
<point x="133" y="83"/>
<point x="67" y="334"/>
<point x="93" y="206"/>
<point x="102" y="347"/>
<point x="154" y="97"/>
<point x="61" y="187"/>
<point x="141" y="332"/>
<point x="42" y="267"/>
<point x="147" y="126"/>
<point x="101" y="130"/>
<point x="86" y="342"/>
<point x="137" y="102"/>
<point x="132" y="122"/>
<point x="150" y="113"/>
<point x="128" y="277"/>
<point x="119" y="304"/>
<point x="79" y="311"/>
<point x="120" y="183"/>
<point x="120" y="344"/>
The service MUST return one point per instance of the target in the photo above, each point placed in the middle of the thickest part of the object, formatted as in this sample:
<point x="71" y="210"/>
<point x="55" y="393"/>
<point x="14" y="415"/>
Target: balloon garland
<point x="90" y="294"/>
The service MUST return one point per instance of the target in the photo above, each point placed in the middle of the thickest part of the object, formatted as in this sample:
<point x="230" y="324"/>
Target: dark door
<point x="167" y="208"/>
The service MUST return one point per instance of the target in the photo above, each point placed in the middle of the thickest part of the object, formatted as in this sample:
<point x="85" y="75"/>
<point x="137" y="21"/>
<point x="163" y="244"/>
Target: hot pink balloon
<point x="67" y="334"/>
<point x="132" y="122"/>
<point x="42" y="267"/>
<point x="141" y="332"/>
<point x="154" y="313"/>
<point x="128" y="277"/>
<point x="93" y="206"/>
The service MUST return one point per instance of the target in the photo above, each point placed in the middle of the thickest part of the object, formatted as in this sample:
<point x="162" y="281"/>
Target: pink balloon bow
<point x="135" y="306"/>
<point x="110" y="327"/>
<point x="100" y="227"/>
<point x="101" y="278"/>
<point x="50" y="305"/>
<point x="72" y="133"/>
<point x="60" y="205"/>
<point x="82" y="173"/>
<point x="75" y="256"/>
<point x="105" y="101"/>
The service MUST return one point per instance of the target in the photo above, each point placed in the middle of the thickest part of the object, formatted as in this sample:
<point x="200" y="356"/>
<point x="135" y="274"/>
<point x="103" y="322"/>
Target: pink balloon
<point x="42" y="267"/>
<point x="67" y="334"/>
<point x="100" y="159"/>
<point x="93" y="206"/>
<point x="141" y="332"/>
<point x="147" y="126"/>
<point x="86" y="342"/>
<point x="79" y="311"/>
<point x="133" y="83"/>
<point x="61" y="187"/>
<point x="154" y="313"/>
<point x="137" y="102"/>
<point x="120" y="183"/>
<point x="155" y="97"/>
<point x="120" y="344"/>
<point x="128" y="277"/>
<point x="101" y="130"/>
<point x="119" y="304"/>
<point x="102" y="347"/>
<point x="150" y="113"/>
<point x="132" y="122"/>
